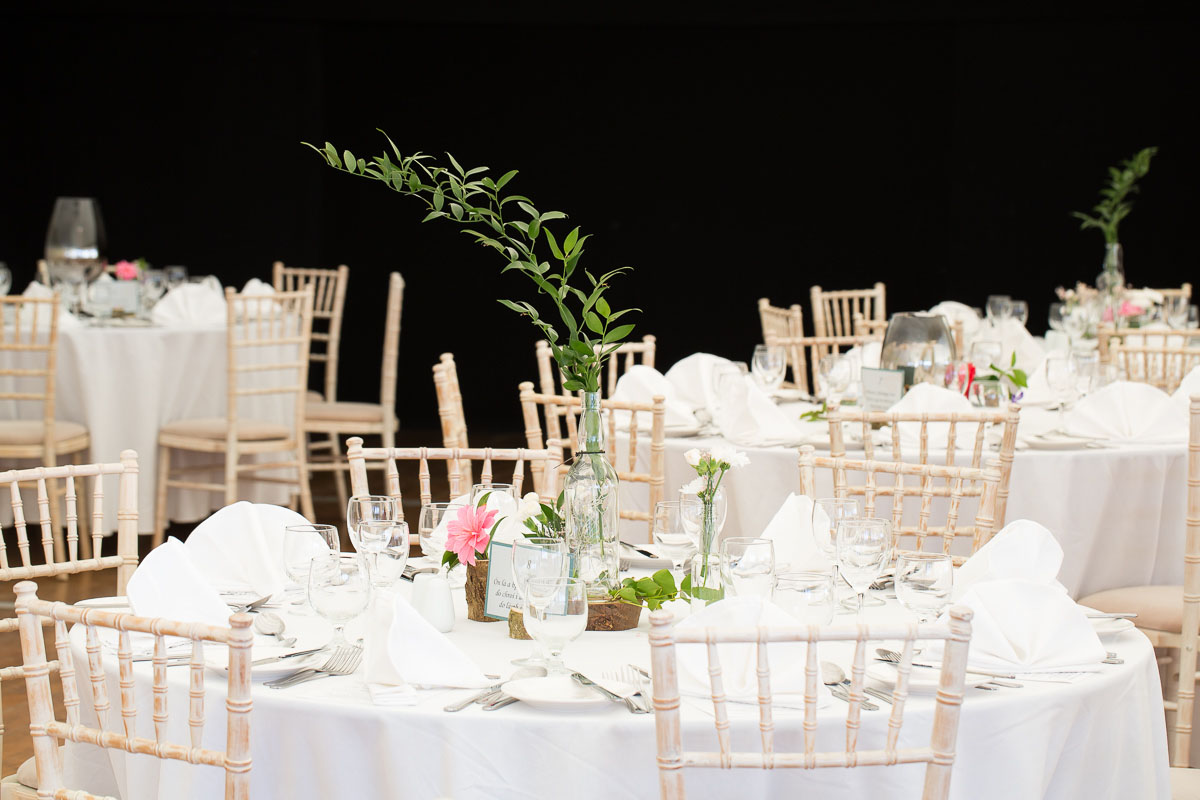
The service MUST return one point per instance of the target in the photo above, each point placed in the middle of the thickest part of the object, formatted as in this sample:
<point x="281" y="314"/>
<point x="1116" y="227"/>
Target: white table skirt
<point x="1101" y="737"/>
<point x="123" y="383"/>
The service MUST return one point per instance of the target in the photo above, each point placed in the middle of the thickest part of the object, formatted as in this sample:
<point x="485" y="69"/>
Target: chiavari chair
<point x="833" y="311"/>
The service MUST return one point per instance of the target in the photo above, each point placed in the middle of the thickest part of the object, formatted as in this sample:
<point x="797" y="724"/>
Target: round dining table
<point x="1098" y="735"/>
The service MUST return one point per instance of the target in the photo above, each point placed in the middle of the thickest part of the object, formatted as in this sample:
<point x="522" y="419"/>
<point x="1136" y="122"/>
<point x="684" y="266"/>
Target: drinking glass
<point x="1056" y="316"/>
<point x="1061" y="377"/>
<point x="176" y="276"/>
<point x="75" y="246"/>
<point x="748" y="567"/>
<point x="984" y="353"/>
<point x="431" y="518"/>
<point x="1087" y="371"/>
<point x="1176" y="311"/>
<point x="834" y="372"/>
<point x="5" y="279"/>
<point x="862" y="550"/>
<point x="768" y="365"/>
<point x="383" y="544"/>
<point x="999" y="308"/>
<point x="923" y="583"/>
<point x="537" y="557"/>
<point x="1193" y="320"/>
<point x="367" y="507"/>
<point x="693" y="512"/>
<point x="154" y="286"/>
<point x="556" y="612"/>
<point x="301" y="543"/>
<point x="671" y="531"/>
<point x="1020" y="311"/>
<point x="826" y="514"/>
<point x="807" y="596"/>
<point x="478" y="490"/>
<point x="338" y="590"/>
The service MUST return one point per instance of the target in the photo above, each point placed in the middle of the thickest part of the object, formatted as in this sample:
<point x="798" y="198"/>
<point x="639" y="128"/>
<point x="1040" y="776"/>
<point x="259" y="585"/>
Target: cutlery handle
<point x="299" y="677"/>
<point x="583" y="680"/>
<point x="507" y="701"/>
<point x="459" y="706"/>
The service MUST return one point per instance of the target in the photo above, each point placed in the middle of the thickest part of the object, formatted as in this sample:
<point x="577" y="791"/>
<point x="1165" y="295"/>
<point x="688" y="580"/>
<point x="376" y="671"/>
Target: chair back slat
<point x="29" y="334"/>
<point x="834" y="311"/>
<point x="1190" y="636"/>
<point x="1161" y="359"/>
<point x="66" y="668"/>
<point x="450" y="412"/>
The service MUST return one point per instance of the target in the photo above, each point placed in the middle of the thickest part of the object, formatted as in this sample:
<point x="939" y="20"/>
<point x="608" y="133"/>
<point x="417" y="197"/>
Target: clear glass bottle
<point x="591" y="505"/>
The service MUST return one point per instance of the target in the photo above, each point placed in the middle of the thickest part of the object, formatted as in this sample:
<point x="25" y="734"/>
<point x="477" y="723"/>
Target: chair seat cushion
<point x="1185" y="784"/>
<point x="26" y="774"/>
<point x="29" y="431"/>
<point x="217" y="427"/>
<point x="343" y="411"/>
<point x="1158" y="608"/>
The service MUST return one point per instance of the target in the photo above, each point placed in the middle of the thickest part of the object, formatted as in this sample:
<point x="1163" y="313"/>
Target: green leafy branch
<point x="1114" y="205"/>
<point x="651" y="592"/>
<point x="476" y="202"/>
<point x="1016" y="376"/>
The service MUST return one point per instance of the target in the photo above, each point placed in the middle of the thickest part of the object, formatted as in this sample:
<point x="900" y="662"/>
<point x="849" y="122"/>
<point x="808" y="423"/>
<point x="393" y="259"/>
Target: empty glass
<point x="75" y="247"/>
<point x="768" y="366"/>
<point x="671" y="531"/>
<point x="1193" y="320"/>
<point x="1056" y="316"/>
<point x="478" y="490"/>
<point x="1176" y="311"/>
<point x="748" y="567"/>
<point x="807" y="596"/>
<point x="365" y="508"/>
<point x="5" y="279"/>
<point x="431" y="518"/>
<point x="1087" y="371"/>
<point x="1062" y="380"/>
<point x="999" y="308"/>
<point x="1019" y="310"/>
<point x="556" y="612"/>
<point x="338" y="590"/>
<point x="984" y="353"/>
<point x="537" y="557"/>
<point x="923" y="583"/>
<point x="301" y="543"/>
<point x="862" y="550"/>
<point x="693" y="512"/>
<point x="835" y="375"/>
<point x="826" y="514"/>
<point x="384" y="546"/>
<point x="154" y="286"/>
<point x="176" y="276"/>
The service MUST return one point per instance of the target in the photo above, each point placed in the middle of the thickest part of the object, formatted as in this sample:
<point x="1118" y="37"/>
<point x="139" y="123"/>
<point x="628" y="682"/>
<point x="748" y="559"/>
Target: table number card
<point x="502" y="592"/>
<point x="881" y="388"/>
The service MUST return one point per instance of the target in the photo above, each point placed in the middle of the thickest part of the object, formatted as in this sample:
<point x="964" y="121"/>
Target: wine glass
<point x="176" y="276"/>
<point x="300" y="544"/>
<point x="984" y="353"/>
<point x="1060" y="376"/>
<point x="826" y="514"/>
<point x="768" y="365"/>
<point x="75" y="246"/>
<point x="671" y="532"/>
<point x="999" y="308"/>
<point x="478" y="490"/>
<point x="923" y="583"/>
<point x="1193" y="318"/>
<point x="556" y="612"/>
<point x="807" y="596"/>
<point x="834" y="372"/>
<point x="384" y="545"/>
<point x="434" y="516"/>
<point x="1019" y="311"/>
<point x="862" y="550"/>
<point x="1176" y="311"/>
<point x="1087" y="371"/>
<point x="1057" y="311"/>
<point x="537" y="557"/>
<point x="748" y="567"/>
<point x="338" y="590"/>
<point x="5" y="279"/>
<point x="366" y="507"/>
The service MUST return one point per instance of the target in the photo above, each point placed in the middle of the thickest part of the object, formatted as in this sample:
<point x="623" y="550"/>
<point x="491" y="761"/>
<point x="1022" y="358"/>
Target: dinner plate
<point x="1058" y="442"/>
<point x="680" y="430"/>
<point x="310" y="632"/>
<point x="556" y="693"/>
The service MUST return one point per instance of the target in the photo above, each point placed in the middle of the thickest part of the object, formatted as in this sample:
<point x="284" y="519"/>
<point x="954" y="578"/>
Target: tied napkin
<point x="748" y="417"/>
<point x="927" y="398"/>
<point x="694" y="380"/>
<point x="791" y="531"/>
<point x="1023" y="550"/>
<point x="1013" y="338"/>
<point x="242" y="546"/>
<point x="168" y="584"/>
<point x="641" y="384"/>
<point x="959" y="312"/>
<point x="39" y="291"/>
<point x="191" y="303"/>
<point x="1129" y="412"/>
<point x="405" y="653"/>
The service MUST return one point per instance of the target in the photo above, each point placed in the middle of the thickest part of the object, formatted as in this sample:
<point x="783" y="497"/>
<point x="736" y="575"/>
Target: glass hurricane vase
<point x="591" y="506"/>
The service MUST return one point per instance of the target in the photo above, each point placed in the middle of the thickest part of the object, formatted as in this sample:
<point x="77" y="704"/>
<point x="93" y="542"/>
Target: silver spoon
<point x="242" y="608"/>
<point x="834" y="677"/>
<point x="269" y="623"/>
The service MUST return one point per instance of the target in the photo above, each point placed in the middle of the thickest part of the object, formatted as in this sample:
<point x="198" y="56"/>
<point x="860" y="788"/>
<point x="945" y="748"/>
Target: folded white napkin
<point x="1038" y="391"/>
<point x="191" y="303"/>
<point x="1190" y="385"/>
<point x="925" y="398"/>
<point x="692" y="378"/>
<point x="405" y="653"/>
<point x="242" y="546"/>
<point x="1129" y="412"/>
<point x="954" y="312"/>
<point x="1022" y="625"/>
<point x="256" y="287"/>
<point x="791" y="531"/>
<point x="1013" y="337"/>
<point x="1023" y="550"/>
<point x="748" y="417"/>
<point x="168" y="584"/>
<point x="641" y="384"/>
<point x="39" y="291"/>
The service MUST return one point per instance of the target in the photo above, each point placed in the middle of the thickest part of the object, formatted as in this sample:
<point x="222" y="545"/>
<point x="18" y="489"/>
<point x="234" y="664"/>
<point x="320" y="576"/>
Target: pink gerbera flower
<point x="469" y="533"/>
<point x="126" y="270"/>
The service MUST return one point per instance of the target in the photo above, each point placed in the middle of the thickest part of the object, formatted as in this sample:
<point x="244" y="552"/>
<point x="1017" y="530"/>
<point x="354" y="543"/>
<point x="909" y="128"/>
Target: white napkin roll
<point x="405" y="653"/>
<point x="1025" y="626"/>
<point x="692" y="378"/>
<point x="748" y="417"/>
<point x="242" y="546"/>
<point x="925" y="398"/>
<point x="167" y="584"/>
<point x="1129" y="412"/>
<point x="1023" y="550"/>
<point x="191" y="303"/>
<point x="641" y="384"/>
<point x="791" y="531"/>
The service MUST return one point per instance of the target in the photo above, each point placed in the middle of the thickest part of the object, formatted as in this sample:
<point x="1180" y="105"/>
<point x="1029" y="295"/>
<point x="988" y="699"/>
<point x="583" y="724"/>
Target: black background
<point x="724" y="154"/>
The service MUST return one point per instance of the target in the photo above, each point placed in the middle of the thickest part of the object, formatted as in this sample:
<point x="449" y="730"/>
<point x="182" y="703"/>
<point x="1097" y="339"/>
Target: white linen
<point x="693" y="380"/>
<point x="242" y="546"/>
<point x="191" y="303"/>
<point x="255" y="287"/>
<point x="1190" y="385"/>
<point x="791" y="531"/>
<point x="925" y="398"/>
<point x="641" y="384"/>
<point x="1013" y="338"/>
<point x="747" y="416"/>
<point x="167" y="584"/>
<point x="1128" y="412"/>
<point x="955" y="312"/>
<point x="1022" y="550"/>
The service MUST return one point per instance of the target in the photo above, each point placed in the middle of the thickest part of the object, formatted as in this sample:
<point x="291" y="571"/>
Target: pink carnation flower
<point x="1128" y="309"/>
<point x="468" y="534"/>
<point x="126" y="270"/>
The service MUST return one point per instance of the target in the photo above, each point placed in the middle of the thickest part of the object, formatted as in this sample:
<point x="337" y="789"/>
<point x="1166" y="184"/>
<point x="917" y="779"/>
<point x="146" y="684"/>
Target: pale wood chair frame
<point x="1159" y="365"/>
<point x="388" y="422"/>
<point x="543" y="464"/>
<point x="555" y="406"/>
<point x="978" y="420"/>
<point x="781" y="323"/>
<point x="450" y="412"/>
<point x="46" y="730"/>
<point x="329" y="301"/>
<point x="959" y="480"/>
<point x="833" y="311"/>
<point x="938" y="756"/>
<point x="624" y="357"/>
<point x="805" y="352"/>
<point x="1109" y="335"/>
<point x="38" y="311"/>
<point x="252" y="321"/>
<point x="1184" y="291"/>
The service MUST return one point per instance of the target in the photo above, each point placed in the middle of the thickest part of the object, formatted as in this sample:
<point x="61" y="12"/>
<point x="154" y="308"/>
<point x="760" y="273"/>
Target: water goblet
<point x="1193" y="317"/>
<point x="1061" y="377"/>
<point x="768" y="366"/>
<point x="835" y="375"/>
<point x="862" y="550"/>
<point x="556" y="613"/>
<point x="1087" y="370"/>
<point x="693" y="512"/>
<point x="807" y="596"/>
<point x="826" y="514"/>
<point x="176" y="276"/>
<point x="748" y="567"/>
<point x="537" y="557"/>
<point x="1176" y="311"/>
<point x="434" y="516"/>
<point x="478" y="490"/>
<point x="301" y="543"/>
<point x="999" y="308"/>
<point x="1019" y="310"/>
<point x="1056" y="317"/>
<point x="367" y="507"/>
<point x="984" y="353"/>
<point x="923" y="583"/>
<point x="384" y="546"/>
<point x="338" y="590"/>
<point x="672" y="533"/>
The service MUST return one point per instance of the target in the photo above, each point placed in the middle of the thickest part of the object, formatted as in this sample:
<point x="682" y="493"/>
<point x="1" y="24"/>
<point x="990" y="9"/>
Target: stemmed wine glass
<point x="834" y="372"/>
<point x="862" y="550"/>
<point x="1176" y="311"/>
<point x="923" y="583"/>
<point x="826" y="514"/>
<point x="768" y="366"/>
<point x="384" y="544"/>
<point x="748" y="567"/>
<point x="176" y="276"/>
<point x="1019" y="310"/>
<point x="75" y="247"/>
<point x="1056" y="317"/>
<point x="301" y="543"/>
<point x="1062" y="379"/>
<point x="478" y="490"/>
<point x="692" y="511"/>
<point x="367" y="507"/>
<point x="433" y="515"/>
<point x="556" y="612"/>
<point x="999" y="308"/>
<point x="537" y="557"/>
<point x="672" y="532"/>
<point x="338" y="590"/>
<point x="5" y="279"/>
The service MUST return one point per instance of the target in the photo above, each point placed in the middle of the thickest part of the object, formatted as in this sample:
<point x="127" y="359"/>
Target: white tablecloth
<point x="122" y="383"/>
<point x="1101" y="737"/>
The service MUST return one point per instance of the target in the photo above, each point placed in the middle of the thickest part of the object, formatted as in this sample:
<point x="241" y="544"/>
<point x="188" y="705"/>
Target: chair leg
<point x="1170" y="690"/>
<point x="160" y="495"/>
<point x="339" y="479"/>
<point x="304" y="480"/>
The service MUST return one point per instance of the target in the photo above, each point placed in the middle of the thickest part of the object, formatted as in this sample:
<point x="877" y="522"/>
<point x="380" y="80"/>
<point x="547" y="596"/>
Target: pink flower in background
<point x="126" y="271"/>
<point x="468" y="534"/>
<point x="1128" y="309"/>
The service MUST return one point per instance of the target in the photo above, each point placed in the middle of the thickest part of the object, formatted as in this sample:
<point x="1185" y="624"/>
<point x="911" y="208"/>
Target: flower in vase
<point x="724" y="454"/>
<point x="469" y="533"/>
<point x="126" y="270"/>
<point x="531" y="506"/>
<point x="693" y="456"/>
<point x="696" y="486"/>
<point x="1129" y="309"/>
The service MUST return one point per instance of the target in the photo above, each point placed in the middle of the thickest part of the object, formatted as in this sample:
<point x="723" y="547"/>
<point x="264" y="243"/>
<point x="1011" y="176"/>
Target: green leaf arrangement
<point x="476" y="202"/>
<point x="1016" y="376"/>
<point x="1114" y="203"/>
<point x="651" y="592"/>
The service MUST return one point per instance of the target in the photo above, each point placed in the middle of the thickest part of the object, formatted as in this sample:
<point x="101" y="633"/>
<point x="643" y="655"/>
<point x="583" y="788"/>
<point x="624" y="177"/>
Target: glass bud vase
<point x="706" y="564"/>
<point x="591" y="507"/>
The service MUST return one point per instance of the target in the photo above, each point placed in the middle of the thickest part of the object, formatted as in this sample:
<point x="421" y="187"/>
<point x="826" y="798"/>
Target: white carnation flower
<point x="531" y="506"/>
<point x="695" y="487"/>
<point x="730" y="455"/>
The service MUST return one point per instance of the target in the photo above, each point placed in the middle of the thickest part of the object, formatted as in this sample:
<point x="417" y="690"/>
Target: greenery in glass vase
<point x="515" y="228"/>
<point x="1115" y="203"/>
<point x="711" y="466"/>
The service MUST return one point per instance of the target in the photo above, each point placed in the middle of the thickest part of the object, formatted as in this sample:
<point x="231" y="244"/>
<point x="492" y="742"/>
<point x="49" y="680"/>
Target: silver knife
<point x="475" y="698"/>
<point x="273" y="659"/>
<point x="501" y="703"/>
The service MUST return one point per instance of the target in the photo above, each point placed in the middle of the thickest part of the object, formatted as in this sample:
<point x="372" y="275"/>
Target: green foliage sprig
<point x="1114" y="205"/>
<point x="650" y="592"/>
<point x="1016" y="376"/>
<point x="476" y="202"/>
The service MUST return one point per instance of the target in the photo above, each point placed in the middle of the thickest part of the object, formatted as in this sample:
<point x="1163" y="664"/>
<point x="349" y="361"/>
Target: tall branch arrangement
<point x="1114" y="205"/>
<point x="477" y="203"/>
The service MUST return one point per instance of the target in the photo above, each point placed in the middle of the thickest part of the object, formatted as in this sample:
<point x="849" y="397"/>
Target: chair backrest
<point x="1190" y="638"/>
<point x="780" y="323"/>
<point x="543" y="462"/>
<point x="1159" y="358"/>
<point x="267" y="344"/>
<point x="805" y="353"/>
<point x="1184" y="291"/>
<point x="451" y="414"/>
<point x="957" y="485"/>
<point x="29" y="335"/>
<point x="624" y="357"/>
<point x="833" y="311"/>
<point x="938" y="755"/>
<point x="47" y="730"/>
<point x="555" y="406"/>
<point x="973" y="425"/>
<point x="329" y="300"/>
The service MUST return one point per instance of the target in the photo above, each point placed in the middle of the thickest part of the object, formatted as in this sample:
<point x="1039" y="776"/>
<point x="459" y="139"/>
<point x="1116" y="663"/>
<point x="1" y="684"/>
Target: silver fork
<point x="631" y="674"/>
<point x="343" y="662"/>
<point x="634" y="702"/>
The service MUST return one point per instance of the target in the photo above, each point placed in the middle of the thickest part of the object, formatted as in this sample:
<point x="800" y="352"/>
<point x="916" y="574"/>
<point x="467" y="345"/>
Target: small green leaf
<point x="505" y="178"/>
<point x="618" y="333"/>
<point x="593" y="323"/>
<point x="553" y="245"/>
<point x="602" y="307"/>
<point x="483" y="499"/>
<point x="457" y="166"/>
<point x="456" y="210"/>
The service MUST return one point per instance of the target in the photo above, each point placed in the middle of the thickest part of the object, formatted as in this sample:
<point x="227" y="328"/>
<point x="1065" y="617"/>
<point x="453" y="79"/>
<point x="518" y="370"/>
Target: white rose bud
<point x="693" y="457"/>
<point x="531" y="505"/>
